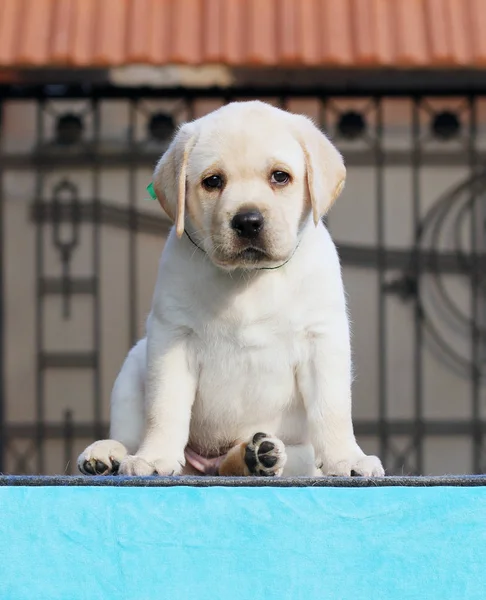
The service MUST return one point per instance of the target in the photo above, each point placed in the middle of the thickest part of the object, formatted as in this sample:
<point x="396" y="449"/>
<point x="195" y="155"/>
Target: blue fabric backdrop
<point x="189" y="543"/>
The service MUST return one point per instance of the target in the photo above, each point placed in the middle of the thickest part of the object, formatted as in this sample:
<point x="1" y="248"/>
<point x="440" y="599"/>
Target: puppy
<point x="246" y="366"/>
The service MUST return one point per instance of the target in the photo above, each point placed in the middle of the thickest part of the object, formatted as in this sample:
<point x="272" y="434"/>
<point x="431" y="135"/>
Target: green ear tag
<point x="151" y="191"/>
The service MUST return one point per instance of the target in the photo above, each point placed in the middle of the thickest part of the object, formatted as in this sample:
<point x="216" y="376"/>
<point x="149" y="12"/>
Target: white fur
<point x="231" y="349"/>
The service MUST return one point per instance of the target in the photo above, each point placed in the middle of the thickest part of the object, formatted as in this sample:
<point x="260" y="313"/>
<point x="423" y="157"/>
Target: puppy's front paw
<point x="136" y="465"/>
<point x="102" y="458"/>
<point x="361" y="465"/>
<point x="265" y="455"/>
<point x="368" y="466"/>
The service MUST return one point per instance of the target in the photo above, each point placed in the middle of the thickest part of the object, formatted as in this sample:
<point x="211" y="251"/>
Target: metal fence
<point x="69" y="137"/>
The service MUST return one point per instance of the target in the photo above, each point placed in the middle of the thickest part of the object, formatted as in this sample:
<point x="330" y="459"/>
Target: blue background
<point x="190" y="543"/>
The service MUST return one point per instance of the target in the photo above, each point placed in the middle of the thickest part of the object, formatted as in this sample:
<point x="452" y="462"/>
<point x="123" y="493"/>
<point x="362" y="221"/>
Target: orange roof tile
<point x="344" y="33"/>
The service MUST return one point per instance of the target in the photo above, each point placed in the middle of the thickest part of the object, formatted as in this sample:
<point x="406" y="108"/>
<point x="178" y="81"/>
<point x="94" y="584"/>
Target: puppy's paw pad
<point x="98" y="467"/>
<point x="102" y="458"/>
<point x="265" y="455"/>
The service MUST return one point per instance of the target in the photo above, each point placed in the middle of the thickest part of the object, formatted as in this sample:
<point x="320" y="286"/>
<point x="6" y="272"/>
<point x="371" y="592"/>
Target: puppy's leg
<point x="325" y="384"/>
<point x="127" y="418"/>
<point x="170" y="391"/>
<point x="263" y="455"/>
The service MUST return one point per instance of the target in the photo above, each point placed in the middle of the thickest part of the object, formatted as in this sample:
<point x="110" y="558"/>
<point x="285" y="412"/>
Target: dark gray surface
<point x="118" y="481"/>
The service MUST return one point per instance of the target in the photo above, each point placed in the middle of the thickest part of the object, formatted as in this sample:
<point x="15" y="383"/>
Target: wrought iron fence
<point x="447" y="240"/>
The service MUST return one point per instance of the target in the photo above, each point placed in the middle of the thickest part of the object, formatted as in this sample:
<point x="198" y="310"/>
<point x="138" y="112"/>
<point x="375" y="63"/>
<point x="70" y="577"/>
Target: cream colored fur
<point x="232" y="349"/>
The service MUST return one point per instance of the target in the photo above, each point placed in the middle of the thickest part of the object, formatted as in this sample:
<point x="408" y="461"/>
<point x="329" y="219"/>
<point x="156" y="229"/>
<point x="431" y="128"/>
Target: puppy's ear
<point x="325" y="170"/>
<point x="170" y="176"/>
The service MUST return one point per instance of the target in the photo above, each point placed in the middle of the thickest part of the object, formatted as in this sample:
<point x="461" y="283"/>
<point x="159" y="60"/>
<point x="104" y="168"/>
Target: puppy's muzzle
<point x="248" y="224"/>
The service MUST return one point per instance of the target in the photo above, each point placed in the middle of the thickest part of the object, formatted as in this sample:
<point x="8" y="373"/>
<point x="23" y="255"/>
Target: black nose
<point x="248" y="224"/>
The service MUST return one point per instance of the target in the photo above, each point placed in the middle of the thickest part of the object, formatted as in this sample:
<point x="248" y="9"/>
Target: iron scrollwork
<point x="66" y="225"/>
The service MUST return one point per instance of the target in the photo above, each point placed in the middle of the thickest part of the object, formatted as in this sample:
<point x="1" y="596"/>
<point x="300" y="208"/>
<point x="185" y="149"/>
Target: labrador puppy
<point x="246" y="366"/>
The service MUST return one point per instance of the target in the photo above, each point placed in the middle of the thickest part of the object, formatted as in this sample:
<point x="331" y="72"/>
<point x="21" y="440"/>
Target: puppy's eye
<point x="280" y="177"/>
<point x="214" y="182"/>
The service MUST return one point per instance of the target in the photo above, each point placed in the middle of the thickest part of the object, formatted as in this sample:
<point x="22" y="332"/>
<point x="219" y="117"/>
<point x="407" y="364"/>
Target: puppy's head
<point x="244" y="180"/>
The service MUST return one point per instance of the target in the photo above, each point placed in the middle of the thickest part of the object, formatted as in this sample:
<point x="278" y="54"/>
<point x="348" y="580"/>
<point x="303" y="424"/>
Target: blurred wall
<point x="353" y="221"/>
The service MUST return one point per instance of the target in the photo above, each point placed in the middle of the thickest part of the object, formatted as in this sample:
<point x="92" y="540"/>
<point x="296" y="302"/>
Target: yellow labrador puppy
<point x="246" y="367"/>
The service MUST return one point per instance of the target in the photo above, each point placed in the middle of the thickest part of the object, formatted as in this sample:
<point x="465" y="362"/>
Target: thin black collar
<point x="257" y="268"/>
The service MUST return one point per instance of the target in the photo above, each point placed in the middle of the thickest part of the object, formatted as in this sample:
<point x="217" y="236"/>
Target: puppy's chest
<point x="240" y="336"/>
<point x="246" y="373"/>
<point x="255" y="319"/>
<point x="265" y="323"/>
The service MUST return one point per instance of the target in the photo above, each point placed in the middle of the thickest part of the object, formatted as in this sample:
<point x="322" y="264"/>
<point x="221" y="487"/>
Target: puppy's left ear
<point x="325" y="170"/>
<point x="170" y="176"/>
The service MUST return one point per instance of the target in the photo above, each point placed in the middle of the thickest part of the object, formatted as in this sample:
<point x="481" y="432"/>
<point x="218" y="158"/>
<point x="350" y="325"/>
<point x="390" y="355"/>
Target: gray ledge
<point x="189" y="481"/>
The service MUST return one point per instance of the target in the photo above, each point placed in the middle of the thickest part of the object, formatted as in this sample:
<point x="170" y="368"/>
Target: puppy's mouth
<point x="249" y="258"/>
<point x="247" y="255"/>
<point x="252" y="254"/>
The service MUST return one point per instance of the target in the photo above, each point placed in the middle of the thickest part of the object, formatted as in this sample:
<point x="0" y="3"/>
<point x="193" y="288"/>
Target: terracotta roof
<point x="334" y="33"/>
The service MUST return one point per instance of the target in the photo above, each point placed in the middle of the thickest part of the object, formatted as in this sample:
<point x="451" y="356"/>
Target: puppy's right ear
<point x="170" y="176"/>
